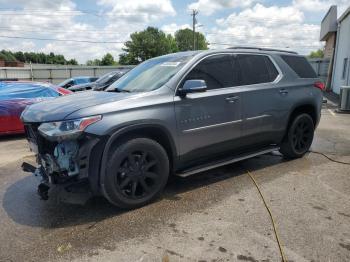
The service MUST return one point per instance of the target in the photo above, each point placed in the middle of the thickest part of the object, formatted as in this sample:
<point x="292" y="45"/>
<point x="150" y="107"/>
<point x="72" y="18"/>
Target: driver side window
<point x="69" y="84"/>
<point x="216" y="71"/>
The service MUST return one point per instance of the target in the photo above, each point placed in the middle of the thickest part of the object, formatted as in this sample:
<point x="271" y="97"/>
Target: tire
<point x="299" y="137"/>
<point x="137" y="172"/>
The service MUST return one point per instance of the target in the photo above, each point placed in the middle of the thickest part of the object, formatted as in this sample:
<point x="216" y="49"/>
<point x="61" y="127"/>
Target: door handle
<point x="283" y="91"/>
<point x="232" y="99"/>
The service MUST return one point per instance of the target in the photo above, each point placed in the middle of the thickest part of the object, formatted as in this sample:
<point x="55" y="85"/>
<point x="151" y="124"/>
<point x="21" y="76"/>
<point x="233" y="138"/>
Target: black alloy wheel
<point x="138" y="174"/>
<point x="302" y="135"/>
<point x="299" y="137"/>
<point x="137" y="171"/>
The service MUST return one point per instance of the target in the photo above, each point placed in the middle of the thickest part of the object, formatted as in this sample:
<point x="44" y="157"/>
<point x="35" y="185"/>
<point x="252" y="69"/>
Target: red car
<point x="16" y="95"/>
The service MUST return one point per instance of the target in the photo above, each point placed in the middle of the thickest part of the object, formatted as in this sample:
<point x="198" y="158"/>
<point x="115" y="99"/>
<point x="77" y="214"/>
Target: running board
<point x="202" y="168"/>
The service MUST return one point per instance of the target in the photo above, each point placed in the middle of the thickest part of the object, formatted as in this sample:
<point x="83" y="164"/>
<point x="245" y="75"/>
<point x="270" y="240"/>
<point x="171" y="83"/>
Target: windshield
<point x="104" y="79"/>
<point x="65" y="82"/>
<point x="151" y="74"/>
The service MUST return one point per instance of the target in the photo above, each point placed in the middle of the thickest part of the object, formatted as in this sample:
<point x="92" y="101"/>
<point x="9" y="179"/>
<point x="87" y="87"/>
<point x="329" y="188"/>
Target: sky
<point x="102" y="26"/>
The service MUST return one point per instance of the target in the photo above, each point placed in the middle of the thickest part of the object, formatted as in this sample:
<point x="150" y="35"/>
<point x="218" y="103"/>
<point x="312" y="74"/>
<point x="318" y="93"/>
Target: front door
<point x="209" y="123"/>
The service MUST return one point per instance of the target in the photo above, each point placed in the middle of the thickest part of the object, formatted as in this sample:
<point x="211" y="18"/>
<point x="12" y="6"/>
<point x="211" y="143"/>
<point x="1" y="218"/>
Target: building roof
<point x="344" y="15"/>
<point x="329" y="23"/>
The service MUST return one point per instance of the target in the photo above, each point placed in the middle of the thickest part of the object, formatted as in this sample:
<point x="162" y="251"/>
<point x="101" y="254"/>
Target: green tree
<point x="72" y="62"/>
<point x="7" y="56"/>
<point x="2" y="56"/>
<point x="95" y="62"/>
<point x="107" y="60"/>
<point x="317" y="54"/>
<point x="184" y="40"/>
<point x="36" y="57"/>
<point x="146" y="44"/>
<point x="59" y="59"/>
<point x="20" y="56"/>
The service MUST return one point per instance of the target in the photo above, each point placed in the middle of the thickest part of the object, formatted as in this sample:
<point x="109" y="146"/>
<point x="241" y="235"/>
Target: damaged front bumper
<point x="73" y="192"/>
<point x="65" y="168"/>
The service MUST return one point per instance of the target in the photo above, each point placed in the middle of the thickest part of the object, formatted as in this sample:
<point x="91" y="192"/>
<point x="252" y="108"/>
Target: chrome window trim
<point x="277" y="79"/>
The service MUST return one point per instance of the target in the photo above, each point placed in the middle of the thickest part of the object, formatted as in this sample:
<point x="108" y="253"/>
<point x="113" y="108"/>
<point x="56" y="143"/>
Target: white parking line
<point x="332" y="113"/>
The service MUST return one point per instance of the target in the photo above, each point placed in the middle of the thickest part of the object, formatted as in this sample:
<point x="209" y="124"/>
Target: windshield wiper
<point x="118" y="90"/>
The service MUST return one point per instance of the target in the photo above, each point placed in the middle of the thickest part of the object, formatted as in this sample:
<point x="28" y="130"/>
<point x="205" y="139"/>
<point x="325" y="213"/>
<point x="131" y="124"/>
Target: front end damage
<point x="63" y="164"/>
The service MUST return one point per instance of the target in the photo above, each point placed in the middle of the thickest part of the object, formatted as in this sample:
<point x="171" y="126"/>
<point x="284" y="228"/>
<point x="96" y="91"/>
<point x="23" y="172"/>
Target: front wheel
<point x="299" y="137"/>
<point x="137" y="171"/>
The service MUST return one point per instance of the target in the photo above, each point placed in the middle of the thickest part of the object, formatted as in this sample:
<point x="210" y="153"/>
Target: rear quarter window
<point x="300" y="66"/>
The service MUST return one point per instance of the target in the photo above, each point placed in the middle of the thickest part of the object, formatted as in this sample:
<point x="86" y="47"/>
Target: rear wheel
<point x="299" y="137"/>
<point x="137" y="171"/>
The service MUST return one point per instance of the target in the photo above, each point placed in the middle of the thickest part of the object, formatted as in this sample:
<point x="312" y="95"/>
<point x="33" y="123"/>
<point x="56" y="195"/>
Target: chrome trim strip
<point x="186" y="174"/>
<point x="211" y="126"/>
<point x="257" y="117"/>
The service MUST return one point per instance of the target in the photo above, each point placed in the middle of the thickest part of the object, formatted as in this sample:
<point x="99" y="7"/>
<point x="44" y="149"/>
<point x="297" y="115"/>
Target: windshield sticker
<point x="173" y="64"/>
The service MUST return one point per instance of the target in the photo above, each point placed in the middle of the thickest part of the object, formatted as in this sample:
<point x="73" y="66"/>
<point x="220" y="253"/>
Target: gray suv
<point x="177" y="114"/>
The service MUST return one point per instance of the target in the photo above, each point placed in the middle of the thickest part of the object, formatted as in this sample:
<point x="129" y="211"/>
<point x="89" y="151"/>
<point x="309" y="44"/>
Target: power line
<point x="111" y="32"/>
<point x="51" y="12"/>
<point x="73" y="13"/>
<point x="47" y="30"/>
<point x="62" y="40"/>
<point x="46" y="10"/>
<point x="121" y="42"/>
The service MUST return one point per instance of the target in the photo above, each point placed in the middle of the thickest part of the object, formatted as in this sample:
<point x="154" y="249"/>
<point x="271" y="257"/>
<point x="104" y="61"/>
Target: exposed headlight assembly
<point x="64" y="130"/>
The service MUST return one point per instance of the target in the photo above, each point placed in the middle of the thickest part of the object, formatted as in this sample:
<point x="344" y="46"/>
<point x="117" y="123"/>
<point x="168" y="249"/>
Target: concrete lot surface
<point x="213" y="216"/>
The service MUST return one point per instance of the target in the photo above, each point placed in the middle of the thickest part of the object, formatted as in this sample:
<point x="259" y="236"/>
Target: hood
<point x="58" y="109"/>
<point x="82" y="87"/>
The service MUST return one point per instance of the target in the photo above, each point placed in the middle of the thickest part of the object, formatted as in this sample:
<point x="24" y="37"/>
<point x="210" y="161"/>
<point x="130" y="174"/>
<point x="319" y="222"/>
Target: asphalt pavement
<point x="212" y="216"/>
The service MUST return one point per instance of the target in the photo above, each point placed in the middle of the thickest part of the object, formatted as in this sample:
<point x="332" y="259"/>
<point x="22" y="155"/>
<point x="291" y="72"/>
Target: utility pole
<point x="194" y="22"/>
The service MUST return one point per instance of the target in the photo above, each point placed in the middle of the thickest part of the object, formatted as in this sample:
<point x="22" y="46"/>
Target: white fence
<point x="54" y="74"/>
<point x="320" y="66"/>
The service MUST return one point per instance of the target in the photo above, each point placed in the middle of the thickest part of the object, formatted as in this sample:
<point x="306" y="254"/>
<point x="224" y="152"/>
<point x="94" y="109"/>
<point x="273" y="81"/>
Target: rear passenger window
<point x="256" y="69"/>
<point x="217" y="72"/>
<point x="300" y="66"/>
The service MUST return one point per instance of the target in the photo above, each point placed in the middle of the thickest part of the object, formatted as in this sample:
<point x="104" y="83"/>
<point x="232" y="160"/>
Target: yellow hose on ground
<point x="283" y="257"/>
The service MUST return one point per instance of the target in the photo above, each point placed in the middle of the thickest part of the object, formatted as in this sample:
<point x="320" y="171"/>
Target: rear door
<point x="209" y="123"/>
<point x="262" y="101"/>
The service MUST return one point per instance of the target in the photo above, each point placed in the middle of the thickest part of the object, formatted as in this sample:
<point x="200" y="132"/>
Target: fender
<point x="131" y="128"/>
<point x="306" y="103"/>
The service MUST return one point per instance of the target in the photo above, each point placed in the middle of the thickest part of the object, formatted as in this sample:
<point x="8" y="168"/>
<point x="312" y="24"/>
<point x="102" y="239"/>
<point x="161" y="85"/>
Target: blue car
<point x="77" y="81"/>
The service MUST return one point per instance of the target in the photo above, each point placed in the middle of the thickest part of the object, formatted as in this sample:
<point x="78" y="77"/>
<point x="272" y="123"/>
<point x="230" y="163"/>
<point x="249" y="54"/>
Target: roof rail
<point x="262" y="48"/>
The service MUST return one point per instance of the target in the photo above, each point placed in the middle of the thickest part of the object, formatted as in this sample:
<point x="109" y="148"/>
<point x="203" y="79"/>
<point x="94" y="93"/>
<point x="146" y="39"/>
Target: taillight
<point x="64" y="91"/>
<point x="320" y="85"/>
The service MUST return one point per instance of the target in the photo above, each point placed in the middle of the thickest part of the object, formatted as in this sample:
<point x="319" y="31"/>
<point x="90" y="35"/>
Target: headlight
<point x="70" y="129"/>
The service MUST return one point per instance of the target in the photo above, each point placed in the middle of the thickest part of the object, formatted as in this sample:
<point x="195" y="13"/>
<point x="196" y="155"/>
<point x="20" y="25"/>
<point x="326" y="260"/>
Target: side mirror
<point x="192" y="86"/>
